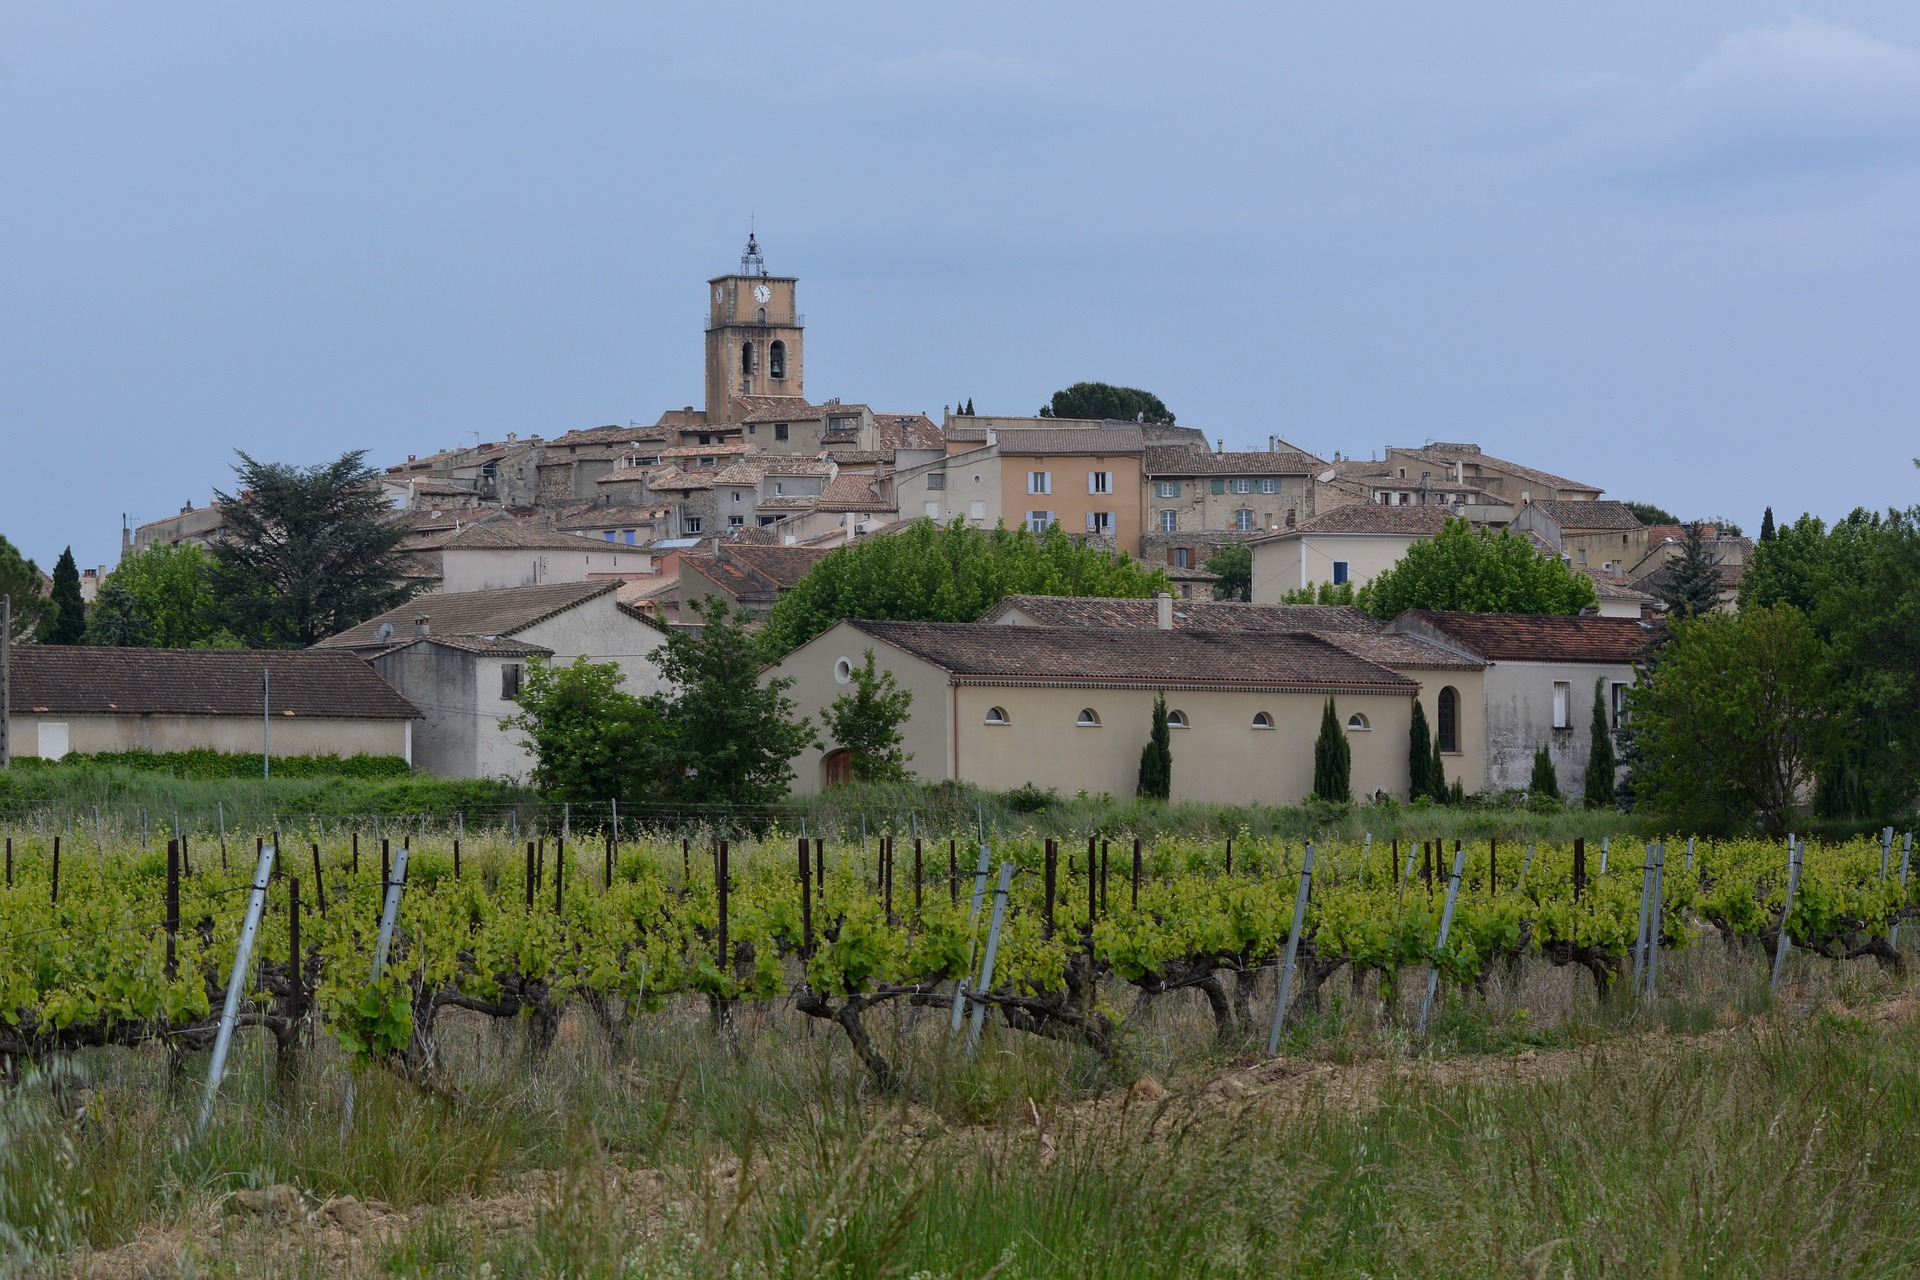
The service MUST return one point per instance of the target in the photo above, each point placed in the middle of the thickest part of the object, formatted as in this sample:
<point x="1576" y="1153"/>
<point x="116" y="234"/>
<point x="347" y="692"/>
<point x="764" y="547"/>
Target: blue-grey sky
<point x="1669" y="248"/>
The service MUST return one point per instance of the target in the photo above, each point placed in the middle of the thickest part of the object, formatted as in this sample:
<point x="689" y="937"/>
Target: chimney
<point x="1163" y="610"/>
<point x="420" y="629"/>
<point x="1220" y="445"/>
<point x="993" y="437"/>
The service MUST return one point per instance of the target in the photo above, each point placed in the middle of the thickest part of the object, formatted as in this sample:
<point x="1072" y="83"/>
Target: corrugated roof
<point x="501" y="611"/>
<point x="97" y="680"/>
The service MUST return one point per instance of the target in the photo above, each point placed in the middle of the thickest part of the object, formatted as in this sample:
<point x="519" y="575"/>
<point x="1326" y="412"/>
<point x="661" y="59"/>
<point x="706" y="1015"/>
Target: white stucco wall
<point x="1519" y="719"/>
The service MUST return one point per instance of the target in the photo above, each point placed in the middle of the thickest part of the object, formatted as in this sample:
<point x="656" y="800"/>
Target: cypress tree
<point x="1546" y="782"/>
<point x="67" y="613"/>
<point x="1419" y="754"/>
<point x="1766" y="526"/>
<point x="1332" y="759"/>
<point x="1437" y="776"/>
<point x="970" y="406"/>
<point x="1599" y="788"/>
<point x="1156" y="758"/>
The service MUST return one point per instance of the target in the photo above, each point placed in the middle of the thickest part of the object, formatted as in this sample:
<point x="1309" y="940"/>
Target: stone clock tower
<point x="753" y="336"/>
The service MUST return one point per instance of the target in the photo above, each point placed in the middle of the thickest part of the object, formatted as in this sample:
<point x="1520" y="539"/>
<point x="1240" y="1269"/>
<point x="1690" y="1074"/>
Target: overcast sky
<point x="1666" y="248"/>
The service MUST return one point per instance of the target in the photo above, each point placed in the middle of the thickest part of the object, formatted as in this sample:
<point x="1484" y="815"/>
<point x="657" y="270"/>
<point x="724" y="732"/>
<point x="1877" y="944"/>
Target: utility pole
<point x="6" y="686"/>
<point x="266" y="725"/>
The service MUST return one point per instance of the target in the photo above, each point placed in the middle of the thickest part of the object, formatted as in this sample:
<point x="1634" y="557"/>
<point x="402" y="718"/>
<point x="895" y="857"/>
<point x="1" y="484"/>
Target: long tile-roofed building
<point x="499" y="612"/>
<point x="1373" y="517"/>
<point x="1200" y="615"/>
<point x="80" y="680"/>
<point x="1185" y="460"/>
<point x="1059" y="442"/>
<point x="1582" y="516"/>
<point x="1530" y="637"/>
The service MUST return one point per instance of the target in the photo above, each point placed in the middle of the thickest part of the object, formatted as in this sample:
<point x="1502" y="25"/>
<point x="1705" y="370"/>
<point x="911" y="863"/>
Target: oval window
<point x="1089" y="719"/>
<point x="843" y="670"/>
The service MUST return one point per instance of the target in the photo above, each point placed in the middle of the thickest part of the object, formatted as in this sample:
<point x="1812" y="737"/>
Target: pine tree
<point x="1545" y="781"/>
<point x="1156" y="758"/>
<point x="1419" y="754"/>
<point x="116" y="618"/>
<point x="1332" y="759"/>
<point x="970" y="406"/>
<point x="1437" y="776"/>
<point x="1693" y="584"/>
<point x="66" y="619"/>
<point x="1599" y="787"/>
<point x="1766" y="526"/>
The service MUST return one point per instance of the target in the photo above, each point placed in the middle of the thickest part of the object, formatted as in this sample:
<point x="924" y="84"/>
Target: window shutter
<point x="1219" y="486"/>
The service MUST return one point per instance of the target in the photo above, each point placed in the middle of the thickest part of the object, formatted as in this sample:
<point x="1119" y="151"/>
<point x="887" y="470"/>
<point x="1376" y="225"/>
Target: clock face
<point x="717" y="293"/>
<point x="761" y="293"/>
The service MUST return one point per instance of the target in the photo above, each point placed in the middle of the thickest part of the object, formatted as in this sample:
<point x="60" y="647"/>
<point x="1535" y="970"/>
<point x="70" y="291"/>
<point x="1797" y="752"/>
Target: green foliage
<point x="1730" y="721"/>
<point x="590" y="739"/>
<point x="732" y="737"/>
<point x="1766" y="526"/>
<point x="20" y="580"/>
<point x="1234" y="564"/>
<point x="65" y="621"/>
<point x="1648" y="513"/>
<point x="1479" y="572"/>
<point x="1156" y="758"/>
<point x="1692" y="583"/>
<point x="867" y="723"/>
<point x="1332" y="759"/>
<point x="1545" y="780"/>
<point x="1600" y="769"/>
<point x="164" y="595"/>
<point x="308" y="552"/>
<point x="926" y="573"/>
<point x="1420" y="757"/>
<point x="1321" y="593"/>
<point x="1724" y="527"/>
<point x="1103" y="400"/>
<point x="1437" y="775"/>
<point x="223" y="764"/>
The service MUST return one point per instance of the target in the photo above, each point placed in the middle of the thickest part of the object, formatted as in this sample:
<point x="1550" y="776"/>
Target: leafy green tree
<point x="1103" y="400"/>
<point x="65" y="621"/>
<point x="1600" y="779"/>
<point x="20" y="581"/>
<point x="1420" y="757"/>
<point x="926" y="573"/>
<point x="1730" y="721"/>
<point x="115" y="618"/>
<point x="1793" y="567"/>
<point x="1724" y="528"/>
<point x="1546" y="780"/>
<point x="1320" y="593"/>
<point x="1647" y="513"/>
<point x="732" y="736"/>
<point x="1478" y="572"/>
<point x="1332" y="759"/>
<point x="1234" y="564"/>
<point x="867" y="723"/>
<point x="1156" y="758"/>
<point x="307" y="552"/>
<point x="1692" y="584"/>
<point x="1766" y="525"/>
<point x="170" y="592"/>
<point x="591" y="740"/>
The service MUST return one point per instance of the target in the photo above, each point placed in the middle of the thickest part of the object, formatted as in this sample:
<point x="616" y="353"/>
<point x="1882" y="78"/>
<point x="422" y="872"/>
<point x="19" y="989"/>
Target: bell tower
<point x="754" y="336"/>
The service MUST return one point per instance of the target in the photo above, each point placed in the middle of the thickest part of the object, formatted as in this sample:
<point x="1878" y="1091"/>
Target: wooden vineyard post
<point x="1579" y="867"/>
<point x="529" y="875"/>
<point x="1426" y="864"/>
<point x="1103" y="877"/>
<point x="55" y="898"/>
<point x="559" y="876"/>
<point x="1136" y="873"/>
<point x="386" y="863"/>
<point x="1906" y="857"/>
<point x="186" y="859"/>
<point x="1796" y="852"/>
<point x="720" y="882"/>
<point x="356" y="855"/>
<point x="9" y="862"/>
<point x="1229" y="855"/>
<point x="806" y="901"/>
<point x="539" y="862"/>
<point x="1440" y="946"/>
<point x="1053" y="871"/>
<point x="456" y="857"/>
<point x="295" y="1001"/>
<point x="1285" y="993"/>
<point x="820" y="863"/>
<point x="319" y="885"/>
<point x="917" y="878"/>
<point x="173" y="901"/>
<point x="686" y="865"/>
<point x="953" y="874"/>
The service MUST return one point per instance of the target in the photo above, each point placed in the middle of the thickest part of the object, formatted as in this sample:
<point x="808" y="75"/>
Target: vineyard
<point x="370" y="939"/>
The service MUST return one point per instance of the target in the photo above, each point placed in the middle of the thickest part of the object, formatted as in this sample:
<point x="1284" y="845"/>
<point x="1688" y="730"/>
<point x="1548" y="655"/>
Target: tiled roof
<point x="501" y="611"/>
<point x="1398" y="651"/>
<point x="96" y="680"/>
<point x="599" y="516"/>
<point x="789" y="502"/>
<point x="611" y="435"/>
<point x="1181" y="460"/>
<point x="851" y="493"/>
<point x="908" y="431"/>
<point x="514" y="534"/>
<point x="733" y="449"/>
<point x="860" y="457"/>
<point x="1203" y="615"/>
<point x="1577" y="516"/>
<point x="1444" y="452"/>
<point x="972" y="653"/>
<point x="1611" y="587"/>
<point x="671" y="477"/>
<point x="1533" y="637"/>
<point x="1371" y="517"/>
<point x="1177" y="574"/>
<point x="626" y="475"/>
<point x="1071" y="441"/>
<point x="780" y="564"/>
<point x="491" y="646"/>
<point x="639" y="591"/>
<point x="792" y="409"/>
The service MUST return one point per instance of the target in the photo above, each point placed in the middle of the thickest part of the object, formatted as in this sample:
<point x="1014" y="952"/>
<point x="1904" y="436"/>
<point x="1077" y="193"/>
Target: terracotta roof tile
<point x="908" y="431"/>
<point x="1530" y="637"/>
<point x="851" y="493"/>
<point x="1060" y="441"/>
<point x="1446" y="452"/>
<point x="1575" y="516"/>
<point x="1181" y="460"/>
<point x="1203" y="615"/>
<point x="96" y="680"/>
<point x="1371" y="517"/>
<point x="509" y="534"/>
<point x="502" y="611"/>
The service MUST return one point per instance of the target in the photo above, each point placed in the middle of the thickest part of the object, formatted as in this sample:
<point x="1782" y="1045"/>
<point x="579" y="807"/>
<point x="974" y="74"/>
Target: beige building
<point x="525" y="553"/>
<point x="1069" y="708"/>
<point x="70" y="699"/>
<point x="1353" y="544"/>
<point x="1199" y="501"/>
<point x="1604" y="536"/>
<point x="1086" y="481"/>
<point x="1465" y="466"/>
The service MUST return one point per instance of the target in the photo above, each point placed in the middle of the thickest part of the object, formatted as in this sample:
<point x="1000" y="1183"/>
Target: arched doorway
<point x="836" y="767"/>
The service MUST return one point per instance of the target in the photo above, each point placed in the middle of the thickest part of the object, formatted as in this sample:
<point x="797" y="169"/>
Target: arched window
<point x="1177" y="720"/>
<point x="1357" y="722"/>
<point x="1089" y="719"/>
<point x="1261" y="720"/>
<point x="762" y="316"/>
<point x="997" y="715"/>
<point x="777" y="360"/>
<point x="746" y="359"/>
<point x="1448" y="719"/>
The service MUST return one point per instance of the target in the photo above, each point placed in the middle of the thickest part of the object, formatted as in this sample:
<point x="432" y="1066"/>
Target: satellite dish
<point x="386" y="631"/>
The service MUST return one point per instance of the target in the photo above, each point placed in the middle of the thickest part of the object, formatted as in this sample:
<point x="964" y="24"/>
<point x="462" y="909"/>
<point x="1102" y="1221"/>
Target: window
<point x="1039" y="482"/>
<point x="1167" y="488"/>
<point x="1039" y="521"/>
<point x="978" y="511"/>
<point x="1339" y="572"/>
<point x="1169" y="520"/>
<point x="1447" y="721"/>
<point x="937" y="480"/>
<point x="734" y="522"/>
<point x="1219" y="485"/>
<point x="629" y="536"/>
<point x="1243" y="520"/>
<point x="510" y="676"/>
<point x="609" y="535"/>
<point x="1562" y="705"/>
<point x="1099" y="482"/>
<point x="780" y="431"/>
<point x="1100" y="522"/>
<point x="930" y="509"/>
<point x="705" y="439"/>
<point x="708" y="462"/>
<point x="998" y="715"/>
<point x="1180" y="557"/>
<point x="1242" y="485"/>
<point x="1580" y="556"/>
<point x="736" y="495"/>
<point x="843" y="670"/>
<point x="1269" y="485"/>
<point x="777" y="360"/>
<point x="1619" y="704"/>
<point x="1089" y="719"/>
<point x="1357" y="723"/>
<point x="692" y="524"/>
<point x="746" y="359"/>
<point x="1177" y="720"/>
<point x="779" y="489"/>
<point x="1261" y="720"/>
